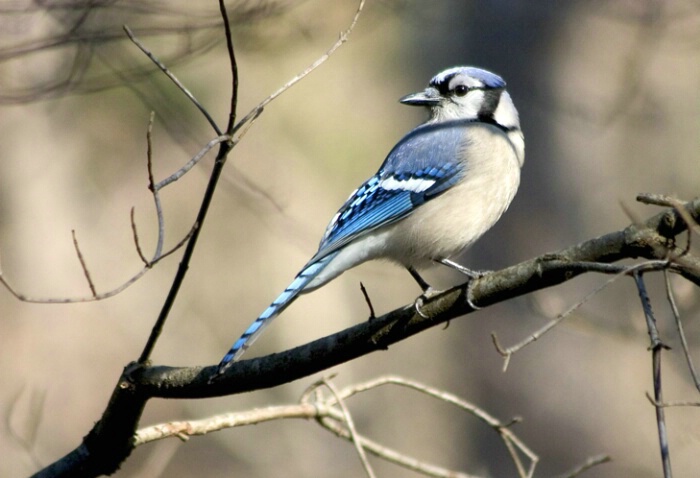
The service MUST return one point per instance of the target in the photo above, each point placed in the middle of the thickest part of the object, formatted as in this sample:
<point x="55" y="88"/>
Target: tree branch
<point x="111" y="440"/>
<point x="650" y="240"/>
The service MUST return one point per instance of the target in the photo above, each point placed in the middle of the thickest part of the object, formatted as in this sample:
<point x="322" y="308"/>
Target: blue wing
<point x="424" y="164"/>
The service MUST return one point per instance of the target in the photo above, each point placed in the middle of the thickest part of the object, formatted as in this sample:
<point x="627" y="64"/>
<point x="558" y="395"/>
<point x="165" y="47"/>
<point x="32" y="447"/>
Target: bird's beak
<point x="427" y="97"/>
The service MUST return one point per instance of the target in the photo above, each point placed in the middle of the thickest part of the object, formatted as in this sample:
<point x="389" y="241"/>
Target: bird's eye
<point x="461" y="90"/>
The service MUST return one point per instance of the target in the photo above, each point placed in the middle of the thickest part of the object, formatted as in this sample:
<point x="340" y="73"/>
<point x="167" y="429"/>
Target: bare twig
<point x="656" y="347"/>
<point x="654" y="199"/>
<point x="154" y="190"/>
<point x="678" y="403"/>
<point x="225" y="148"/>
<point x="350" y="424"/>
<point x="669" y="201"/>
<point x="186" y="429"/>
<point x="681" y="332"/>
<point x="511" y="441"/>
<point x="234" y="67"/>
<point x="177" y="246"/>
<point x="590" y="463"/>
<point x="341" y="39"/>
<point x="99" y="296"/>
<point x="369" y="302"/>
<point x="71" y="300"/>
<point x="619" y="271"/>
<point x="332" y="414"/>
<point x="86" y="272"/>
<point x="191" y="163"/>
<point x="219" y="163"/>
<point x="136" y="240"/>
<point x="390" y="455"/>
<point x="308" y="410"/>
<point x="173" y="78"/>
<point x="158" y="255"/>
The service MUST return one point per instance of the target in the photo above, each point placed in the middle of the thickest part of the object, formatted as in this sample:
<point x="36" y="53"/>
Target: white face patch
<point x="506" y="115"/>
<point x="461" y="107"/>
<point x="416" y="185"/>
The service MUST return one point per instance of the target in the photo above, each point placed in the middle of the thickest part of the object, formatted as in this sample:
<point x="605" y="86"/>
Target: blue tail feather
<point x="274" y="309"/>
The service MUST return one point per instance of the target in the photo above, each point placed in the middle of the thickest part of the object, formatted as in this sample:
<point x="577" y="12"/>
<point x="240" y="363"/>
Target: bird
<point x="440" y="188"/>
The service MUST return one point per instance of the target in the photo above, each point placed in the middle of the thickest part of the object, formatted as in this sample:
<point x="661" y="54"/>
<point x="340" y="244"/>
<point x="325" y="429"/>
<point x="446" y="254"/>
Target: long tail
<point x="282" y="302"/>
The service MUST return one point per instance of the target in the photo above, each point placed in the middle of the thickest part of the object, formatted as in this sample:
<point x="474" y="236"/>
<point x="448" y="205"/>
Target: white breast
<point x="447" y="225"/>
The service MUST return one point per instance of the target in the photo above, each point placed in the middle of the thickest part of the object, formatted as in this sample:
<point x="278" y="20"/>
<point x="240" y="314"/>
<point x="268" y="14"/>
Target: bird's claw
<point x="470" y="295"/>
<point x="427" y="294"/>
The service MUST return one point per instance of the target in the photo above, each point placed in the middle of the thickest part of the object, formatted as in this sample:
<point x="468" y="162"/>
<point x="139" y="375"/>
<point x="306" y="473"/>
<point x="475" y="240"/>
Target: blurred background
<point x="609" y="99"/>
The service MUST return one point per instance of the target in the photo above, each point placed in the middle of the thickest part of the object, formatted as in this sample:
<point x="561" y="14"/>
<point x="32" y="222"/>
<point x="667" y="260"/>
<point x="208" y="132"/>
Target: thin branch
<point x="619" y="271"/>
<point x="71" y="300"/>
<point x="656" y="347"/>
<point x="177" y="246"/>
<point x="86" y="272"/>
<point x="510" y="440"/>
<point x="220" y="161"/>
<point x="341" y="39"/>
<point x="186" y="429"/>
<point x="158" y="254"/>
<point x="192" y="162"/>
<point x="677" y="205"/>
<point x="308" y="410"/>
<point x="221" y="157"/>
<point x="312" y="406"/>
<point x="99" y="296"/>
<point x="136" y="239"/>
<point x="679" y="403"/>
<point x="155" y="191"/>
<point x="391" y="455"/>
<point x="173" y="78"/>
<point x="590" y="463"/>
<point x="155" y="188"/>
<point x="368" y="300"/>
<point x="222" y="140"/>
<point x="681" y="332"/>
<point x="234" y="67"/>
<point x="350" y="424"/>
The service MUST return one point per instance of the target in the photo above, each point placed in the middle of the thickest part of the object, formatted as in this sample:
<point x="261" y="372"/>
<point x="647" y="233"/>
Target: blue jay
<point x="440" y="188"/>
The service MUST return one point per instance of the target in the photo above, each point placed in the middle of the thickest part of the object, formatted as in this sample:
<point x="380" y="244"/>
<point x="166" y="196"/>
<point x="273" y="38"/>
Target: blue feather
<point x="285" y="298"/>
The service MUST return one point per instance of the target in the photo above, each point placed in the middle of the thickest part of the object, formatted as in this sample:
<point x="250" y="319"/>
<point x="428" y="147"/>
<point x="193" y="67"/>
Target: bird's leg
<point x="469" y="273"/>
<point x="424" y="286"/>
<point x="472" y="274"/>
<point x="427" y="289"/>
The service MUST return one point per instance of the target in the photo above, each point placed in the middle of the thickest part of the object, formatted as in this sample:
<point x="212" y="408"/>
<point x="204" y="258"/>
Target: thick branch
<point x="651" y="240"/>
<point x="111" y="440"/>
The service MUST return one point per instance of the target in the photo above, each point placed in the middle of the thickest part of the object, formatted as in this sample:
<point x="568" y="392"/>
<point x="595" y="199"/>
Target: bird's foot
<point x="427" y="294"/>
<point x="470" y="295"/>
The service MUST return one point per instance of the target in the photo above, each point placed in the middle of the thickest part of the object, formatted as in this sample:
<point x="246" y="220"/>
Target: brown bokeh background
<point x="609" y="99"/>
